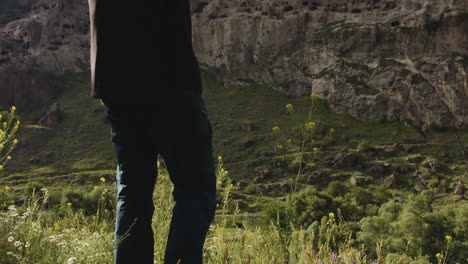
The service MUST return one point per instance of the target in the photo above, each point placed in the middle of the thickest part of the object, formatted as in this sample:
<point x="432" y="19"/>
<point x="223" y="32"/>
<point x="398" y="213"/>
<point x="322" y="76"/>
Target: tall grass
<point x="30" y="234"/>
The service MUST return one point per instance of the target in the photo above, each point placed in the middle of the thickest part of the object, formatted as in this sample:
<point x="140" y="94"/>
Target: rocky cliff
<point x="375" y="59"/>
<point x="51" y="39"/>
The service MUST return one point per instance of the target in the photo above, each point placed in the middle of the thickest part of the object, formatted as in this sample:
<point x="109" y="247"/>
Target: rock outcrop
<point x="375" y="59"/>
<point x="52" y="39"/>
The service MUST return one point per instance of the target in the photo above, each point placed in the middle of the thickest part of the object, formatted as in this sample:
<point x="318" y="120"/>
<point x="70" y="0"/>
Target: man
<point x="144" y="70"/>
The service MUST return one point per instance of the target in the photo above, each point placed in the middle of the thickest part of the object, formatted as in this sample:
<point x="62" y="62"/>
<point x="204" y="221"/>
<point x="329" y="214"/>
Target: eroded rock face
<point x="375" y="59"/>
<point x="52" y="39"/>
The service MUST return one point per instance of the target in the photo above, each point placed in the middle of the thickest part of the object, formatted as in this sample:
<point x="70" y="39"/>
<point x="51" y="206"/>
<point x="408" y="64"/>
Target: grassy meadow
<point x="297" y="183"/>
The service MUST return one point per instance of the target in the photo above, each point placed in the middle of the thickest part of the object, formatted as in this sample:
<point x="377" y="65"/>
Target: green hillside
<point x="314" y="165"/>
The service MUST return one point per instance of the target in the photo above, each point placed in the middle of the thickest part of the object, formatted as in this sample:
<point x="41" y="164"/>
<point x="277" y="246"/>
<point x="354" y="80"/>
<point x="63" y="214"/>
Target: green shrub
<point x="360" y="195"/>
<point x="336" y="188"/>
<point x="308" y="206"/>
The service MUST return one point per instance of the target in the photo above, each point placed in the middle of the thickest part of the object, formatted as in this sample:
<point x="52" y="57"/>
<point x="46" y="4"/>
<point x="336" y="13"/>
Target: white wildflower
<point x="10" y="239"/>
<point x="72" y="260"/>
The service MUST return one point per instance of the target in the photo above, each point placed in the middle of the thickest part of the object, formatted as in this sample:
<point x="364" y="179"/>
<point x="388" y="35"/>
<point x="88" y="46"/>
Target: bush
<point x="360" y="195"/>
<point x="336" y="188"/>
<point x="308" y="206"/>
<point x="414" y="230"/>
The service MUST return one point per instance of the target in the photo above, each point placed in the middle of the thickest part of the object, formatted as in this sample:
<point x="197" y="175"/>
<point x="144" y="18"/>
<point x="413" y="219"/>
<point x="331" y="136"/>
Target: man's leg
<point x="136" y="176"/>
<point x="188" y="156"/>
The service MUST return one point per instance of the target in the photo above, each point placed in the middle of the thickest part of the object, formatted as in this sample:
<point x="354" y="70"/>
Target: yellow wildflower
<point x="312" y="164"/>
<point x="310" y="125"/>
<point x="313" y="96"/>
<point x="1" y="167"/>
<point x="4" y="125"/>
<point x="289" y="141"/>
<point x="220" y="158"/>
<point x="332" y="130"/>
<point x="7" y="188"/>
<point x="438" y="255"/>
<point x="15" y="141"/>
<point x="102" y="179"/>
<point x="291" y="180"/>
<point x="69" y="204"/>
<point x="448" y="238"/>
<point x="13" y="108"/>
<point x="289" y="107"/>
<point x="8" y="157"/>
<point x="276" y="129"/>
<point x="279" y="147"/>
<point x="316" y="150"/>
<point x="331" y="218"/>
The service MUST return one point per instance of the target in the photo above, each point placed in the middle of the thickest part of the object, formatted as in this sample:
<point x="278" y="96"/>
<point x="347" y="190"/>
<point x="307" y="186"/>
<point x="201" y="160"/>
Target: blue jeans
<point x="178" y="129"/>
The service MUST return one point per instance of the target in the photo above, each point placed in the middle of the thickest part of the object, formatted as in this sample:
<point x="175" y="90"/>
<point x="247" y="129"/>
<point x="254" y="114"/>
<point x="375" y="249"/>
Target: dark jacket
<point x="142" y="52"/>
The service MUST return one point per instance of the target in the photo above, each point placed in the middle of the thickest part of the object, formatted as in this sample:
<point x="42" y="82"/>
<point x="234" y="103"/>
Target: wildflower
<point x="313" y="96"/>
<point x="316" y="150"/>
<point x="69" y="204"/>
<point x="8" y="157"/>
<point x="7" y="188"/>
<point x="26" y="245"/>
<point x="4" y="125"/>
<point x="291" y="180"/>
<point x="332" y="130"/>
<point x="102" y="179"/>
<point x="72" y="260"/>
<point x="10" y="239"/>
<point x="438" y="255"/>
<point x="1" y="167"/>
<point x="289" y="107"/>
<point x="220" y="158"/>
<point x="17" y="243"/>
<point x="310" y="125"/>
<point x="331" y="218"/>
<point x="289" y="141"/>
<point x="276" y="129"/>
<point x="448" y="238"/>
<point x="334" y="256"/>
<point x="13" y="108"/>
<point x="311" y="164"/>
<point x="279" y="147"/>
<point x="15" y="141"/>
